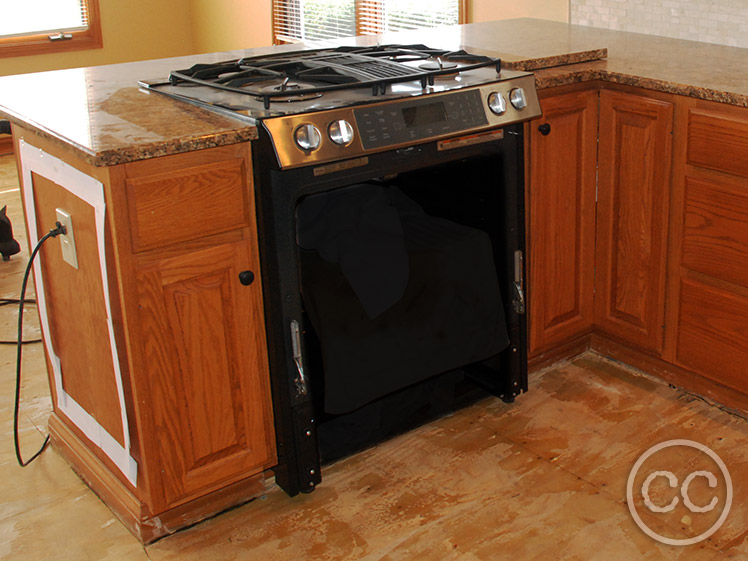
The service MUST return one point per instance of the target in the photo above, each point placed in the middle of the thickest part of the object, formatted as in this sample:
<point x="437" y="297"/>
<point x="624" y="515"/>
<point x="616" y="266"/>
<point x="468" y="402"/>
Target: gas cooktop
<point x="337" y="103"/>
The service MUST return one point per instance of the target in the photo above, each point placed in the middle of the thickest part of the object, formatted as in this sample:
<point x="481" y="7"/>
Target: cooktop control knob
<point x="497" y="103"/>
<point x="518" y="99"/>
<point x="341" y="132"/>
<point x="308" y="137"/>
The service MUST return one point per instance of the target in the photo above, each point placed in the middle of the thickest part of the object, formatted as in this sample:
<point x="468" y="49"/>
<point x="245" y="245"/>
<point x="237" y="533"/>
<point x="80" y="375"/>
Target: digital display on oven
<point x="424" y="114"/>
<point x="409" y="121"/>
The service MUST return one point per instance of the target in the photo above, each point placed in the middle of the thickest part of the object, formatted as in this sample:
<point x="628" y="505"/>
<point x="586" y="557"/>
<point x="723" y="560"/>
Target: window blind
<point x="298" y="20"/>
<point x="43" y="16"/>
<point x="380" y="16"/>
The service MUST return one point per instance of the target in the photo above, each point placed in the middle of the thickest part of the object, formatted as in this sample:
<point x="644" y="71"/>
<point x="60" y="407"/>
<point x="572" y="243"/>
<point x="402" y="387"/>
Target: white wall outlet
<point x="67" y="240"/>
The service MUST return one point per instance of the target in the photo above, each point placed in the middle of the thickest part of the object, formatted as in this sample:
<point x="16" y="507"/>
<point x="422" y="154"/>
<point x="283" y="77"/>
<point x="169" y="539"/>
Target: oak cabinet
<point x="662" y="230"/>
<point x="155" y="341"/>
<point x="199" y="329"/>
<point x="632" y="217"/>
<point x="204" y="347"/>
<point x="561" y="223"/>
<point x="709" y="268"/>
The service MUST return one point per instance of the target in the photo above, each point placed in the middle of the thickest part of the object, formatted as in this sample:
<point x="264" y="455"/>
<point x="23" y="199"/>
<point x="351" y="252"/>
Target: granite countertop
<point x="102" y="115"/>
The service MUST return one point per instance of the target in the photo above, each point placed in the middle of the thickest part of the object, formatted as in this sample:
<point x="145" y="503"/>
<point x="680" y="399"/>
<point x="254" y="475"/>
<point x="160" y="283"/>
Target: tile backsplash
<point x="713" y="21"/>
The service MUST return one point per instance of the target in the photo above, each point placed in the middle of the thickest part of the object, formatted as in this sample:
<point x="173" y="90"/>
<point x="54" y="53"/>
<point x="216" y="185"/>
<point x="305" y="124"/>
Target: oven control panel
<point x="399" y="123"/>
<point x="350" y="132"/>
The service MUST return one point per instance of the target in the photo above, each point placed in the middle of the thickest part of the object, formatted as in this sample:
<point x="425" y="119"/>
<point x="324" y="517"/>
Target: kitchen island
<point x="165" y="410"/>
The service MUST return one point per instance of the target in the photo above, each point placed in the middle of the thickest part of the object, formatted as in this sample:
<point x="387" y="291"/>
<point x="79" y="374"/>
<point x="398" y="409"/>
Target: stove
<point x="339" y="103"/>
<point x="408" y="163"/>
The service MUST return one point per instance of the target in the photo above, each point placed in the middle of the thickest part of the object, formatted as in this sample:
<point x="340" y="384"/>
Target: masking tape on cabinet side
<point x="91" y="191"/>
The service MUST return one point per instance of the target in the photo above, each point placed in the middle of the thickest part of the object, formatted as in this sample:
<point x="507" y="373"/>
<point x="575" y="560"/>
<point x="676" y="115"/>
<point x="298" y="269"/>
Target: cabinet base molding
<point x="706" y="388"/>
<point x="6" y="145"/>
<point x="134" y="514"/>
<point x="564" y="351"/>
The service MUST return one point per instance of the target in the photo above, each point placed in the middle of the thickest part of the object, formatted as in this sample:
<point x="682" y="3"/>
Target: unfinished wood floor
<point x="541" y="479"/>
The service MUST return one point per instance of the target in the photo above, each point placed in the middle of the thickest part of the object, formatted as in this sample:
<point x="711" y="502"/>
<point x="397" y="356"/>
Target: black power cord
<point x="7" y="302"/>
<point x="60" y="229"/>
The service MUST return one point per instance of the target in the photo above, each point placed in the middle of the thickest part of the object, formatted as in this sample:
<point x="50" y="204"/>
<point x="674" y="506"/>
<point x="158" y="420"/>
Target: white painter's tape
<point x="91" y="191"/>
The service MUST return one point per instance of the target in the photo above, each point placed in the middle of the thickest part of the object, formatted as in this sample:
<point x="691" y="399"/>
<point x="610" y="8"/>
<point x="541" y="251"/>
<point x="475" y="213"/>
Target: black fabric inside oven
<point x="449" y="314"/>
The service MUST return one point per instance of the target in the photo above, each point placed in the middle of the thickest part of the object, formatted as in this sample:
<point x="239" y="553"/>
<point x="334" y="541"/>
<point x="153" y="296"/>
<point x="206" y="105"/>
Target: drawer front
<point x="713" y="333"/>
<point x="187" y="204"/>
<point x="718" y="142"/>
<point x="715" y="229"/>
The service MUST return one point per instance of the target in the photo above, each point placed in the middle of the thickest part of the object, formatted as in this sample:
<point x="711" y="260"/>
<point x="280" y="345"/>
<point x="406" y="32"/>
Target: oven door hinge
<point x="300" y="380"/>
<point x="518" y="300"/>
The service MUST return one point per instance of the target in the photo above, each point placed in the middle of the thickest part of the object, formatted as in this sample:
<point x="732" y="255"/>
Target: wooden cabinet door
<point x="209" y="419"/>
<point x="709" y="269"/>
<point x="561" y="223"/>
<point x="632" y="217"/>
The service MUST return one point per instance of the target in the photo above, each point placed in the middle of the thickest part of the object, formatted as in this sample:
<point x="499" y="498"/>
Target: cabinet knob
<point x="545" y="129"/>
<point x="246" y="277"/>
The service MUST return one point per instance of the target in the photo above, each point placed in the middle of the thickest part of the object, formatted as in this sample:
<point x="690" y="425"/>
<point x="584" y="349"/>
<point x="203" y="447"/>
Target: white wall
<point x="713" y="21"/>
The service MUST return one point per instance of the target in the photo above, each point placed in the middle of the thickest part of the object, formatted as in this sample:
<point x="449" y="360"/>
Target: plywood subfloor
<point x="543" y="478"/>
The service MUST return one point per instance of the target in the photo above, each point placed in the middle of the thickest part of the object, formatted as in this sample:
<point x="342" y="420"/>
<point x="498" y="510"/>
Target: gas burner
<point x="289" y="92"/>
<point x="438" y="64"/>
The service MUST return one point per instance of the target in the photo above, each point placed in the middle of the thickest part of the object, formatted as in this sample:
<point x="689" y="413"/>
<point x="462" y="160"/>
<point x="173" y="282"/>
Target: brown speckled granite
<point x="101" y="114"/>
<point x="557" y="60"/>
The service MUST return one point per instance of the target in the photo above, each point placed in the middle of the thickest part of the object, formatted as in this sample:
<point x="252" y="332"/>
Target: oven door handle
<point x="300" y="380"/>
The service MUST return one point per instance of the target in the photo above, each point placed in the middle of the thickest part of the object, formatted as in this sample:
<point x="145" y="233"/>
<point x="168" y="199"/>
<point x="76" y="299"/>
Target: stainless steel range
<point x="332" y="104"/>
<point x="390" y="199"/>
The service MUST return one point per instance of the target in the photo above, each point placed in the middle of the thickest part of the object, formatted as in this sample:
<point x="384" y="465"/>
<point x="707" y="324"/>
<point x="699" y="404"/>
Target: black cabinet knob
<point x="246" y="277"/>
<point x="545" y="129"/>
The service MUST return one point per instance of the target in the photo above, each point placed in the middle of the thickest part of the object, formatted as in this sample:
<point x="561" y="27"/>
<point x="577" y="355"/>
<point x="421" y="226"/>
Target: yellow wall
<point x="132" y="30"/>
<point x="487" y="10"/>
<point x="221" y="25"/>
<point x="225" y="25"/>
<point x="144" y="29"/>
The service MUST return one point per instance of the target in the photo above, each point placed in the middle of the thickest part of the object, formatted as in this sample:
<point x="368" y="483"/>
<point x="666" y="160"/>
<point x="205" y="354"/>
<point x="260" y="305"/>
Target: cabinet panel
<point x="713" y="333"/>
<point x="188" y="204"/>
<point x="715" y="229"/>
<point x="87" y="371"/>
<point x="561" y="227"/>
<point x="718" y="141"/>
<point x="204" y="344"/>
<point x="633" y="200"/>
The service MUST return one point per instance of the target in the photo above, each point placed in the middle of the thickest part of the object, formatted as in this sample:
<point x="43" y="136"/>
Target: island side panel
<point x="79" y="308"/>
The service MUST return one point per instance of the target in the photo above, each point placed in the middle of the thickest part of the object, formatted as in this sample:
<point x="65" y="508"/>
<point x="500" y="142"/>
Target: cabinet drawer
<point x="717" y="141"/>
<point x="713" y="333"/>
<point x="715" y="229"/>
<point x="187" y="204"/>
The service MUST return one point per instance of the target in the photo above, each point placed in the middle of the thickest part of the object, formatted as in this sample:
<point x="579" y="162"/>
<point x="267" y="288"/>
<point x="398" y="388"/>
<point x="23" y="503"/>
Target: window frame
<point x="40" y="43"/>
<point x="461" y="19"/>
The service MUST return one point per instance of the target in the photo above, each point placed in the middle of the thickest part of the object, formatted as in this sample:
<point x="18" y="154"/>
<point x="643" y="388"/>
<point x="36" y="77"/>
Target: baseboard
<point x="710" y="390"/>
<point x="705" y="388"/>
<point x="564" y="351"/>
<point x="6" y="145"/>
<point x="126" y="506"/>
<point x="133" y="512"/>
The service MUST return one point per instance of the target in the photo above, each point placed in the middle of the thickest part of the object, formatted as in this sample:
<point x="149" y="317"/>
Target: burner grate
<point x="323" y="70"/>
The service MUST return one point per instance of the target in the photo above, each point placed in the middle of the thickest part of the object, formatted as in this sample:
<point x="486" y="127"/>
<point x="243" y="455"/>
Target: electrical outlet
<point x="67" y="240"/>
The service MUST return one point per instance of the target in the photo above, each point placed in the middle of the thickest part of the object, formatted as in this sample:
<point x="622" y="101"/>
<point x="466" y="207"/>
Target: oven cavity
<point x="400" y="278"/>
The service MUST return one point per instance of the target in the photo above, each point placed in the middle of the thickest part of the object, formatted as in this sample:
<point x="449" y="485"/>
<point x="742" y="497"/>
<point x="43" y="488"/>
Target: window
<point x="297" y="20"/>
<point x="46" y="26"/>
